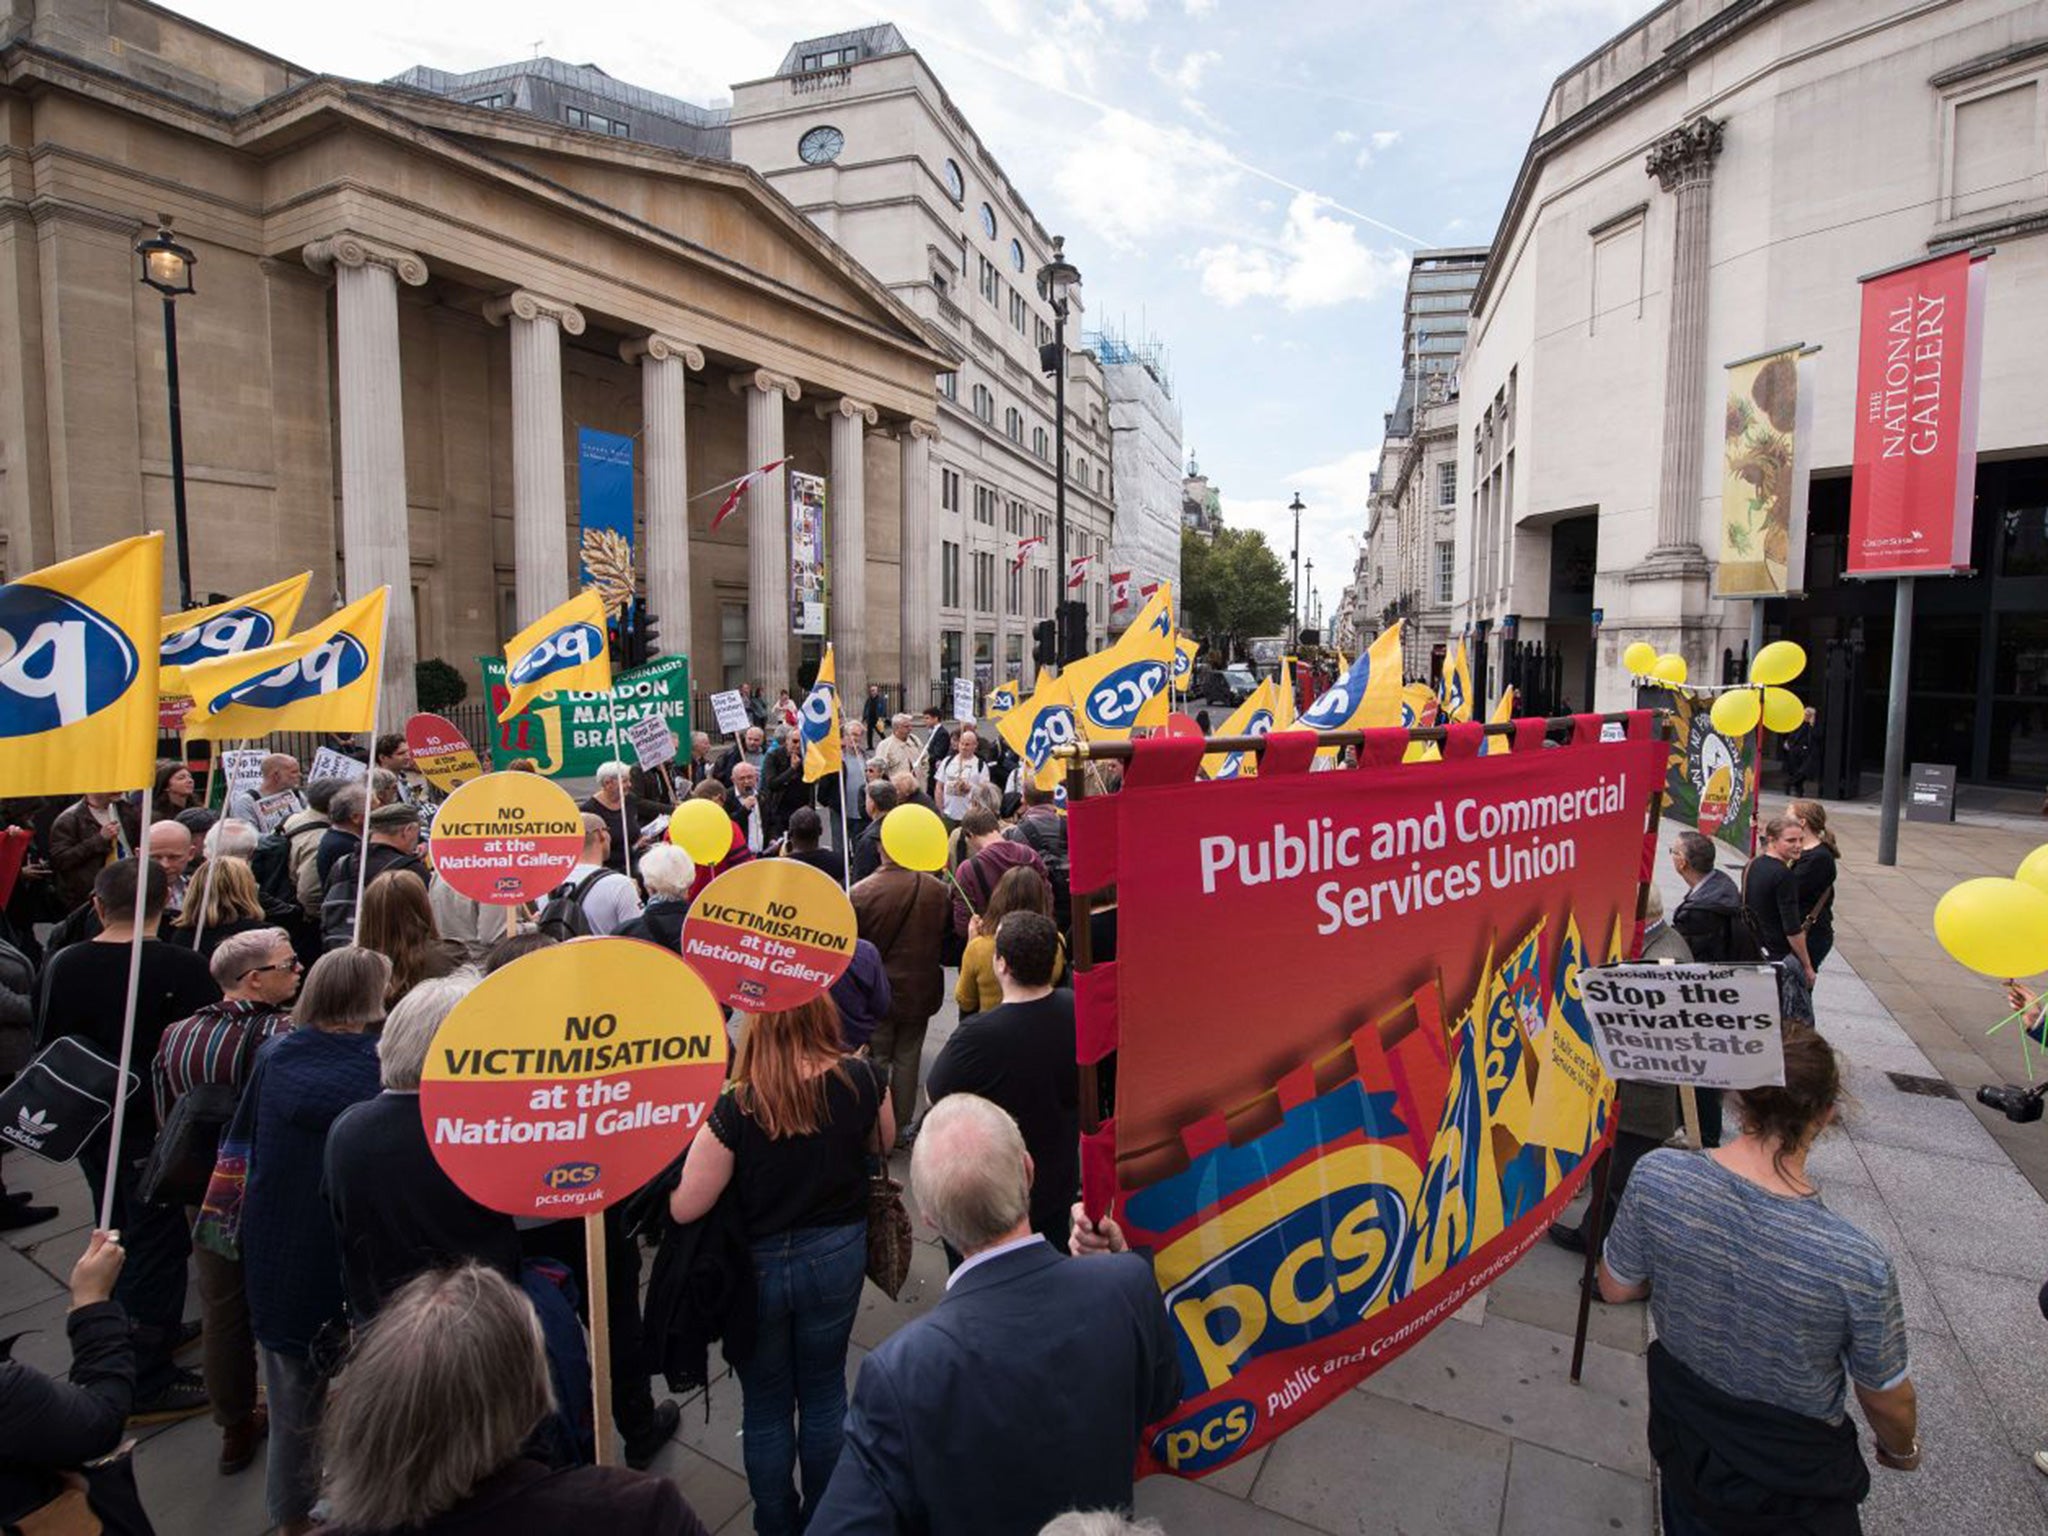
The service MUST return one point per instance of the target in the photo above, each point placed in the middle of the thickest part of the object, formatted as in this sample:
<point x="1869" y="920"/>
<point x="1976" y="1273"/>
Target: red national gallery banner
<point x="1922" y="345"/>
<point x="1354" y="1078"/>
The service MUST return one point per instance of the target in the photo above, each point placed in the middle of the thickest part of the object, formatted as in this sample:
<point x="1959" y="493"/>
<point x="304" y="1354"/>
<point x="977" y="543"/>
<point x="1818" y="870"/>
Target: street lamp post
<point x="167" y="267"/>
<point x="1311" y="592"/>
<point x="1294" y="591"/>
<point x="1055" y="278"/>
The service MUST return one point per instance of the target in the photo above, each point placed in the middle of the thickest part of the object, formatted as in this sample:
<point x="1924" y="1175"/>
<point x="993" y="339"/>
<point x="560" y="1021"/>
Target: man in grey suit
<point x="1024" y="1392"/>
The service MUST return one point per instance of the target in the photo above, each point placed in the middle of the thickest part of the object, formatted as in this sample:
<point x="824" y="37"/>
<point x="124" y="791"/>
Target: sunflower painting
<point x="1762" y="501"/>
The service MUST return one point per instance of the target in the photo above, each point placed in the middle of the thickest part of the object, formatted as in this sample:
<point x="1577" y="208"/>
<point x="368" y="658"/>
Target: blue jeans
<point x="793" y="1390"/>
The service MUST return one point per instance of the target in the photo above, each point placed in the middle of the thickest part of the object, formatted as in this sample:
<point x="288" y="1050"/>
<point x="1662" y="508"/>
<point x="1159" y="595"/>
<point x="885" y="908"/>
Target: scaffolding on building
<point x="1112" y="348"/>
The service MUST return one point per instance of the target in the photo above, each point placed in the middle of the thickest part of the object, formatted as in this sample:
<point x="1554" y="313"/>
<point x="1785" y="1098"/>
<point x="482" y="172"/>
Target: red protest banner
<point x="1917" y="366"/>
<point x="1328" y="1144"/>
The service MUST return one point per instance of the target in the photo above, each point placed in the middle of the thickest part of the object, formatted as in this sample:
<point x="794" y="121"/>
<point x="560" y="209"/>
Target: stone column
<point x="376" y="542"/>
<point x="1683" y="163"/>
<point x="540" y="512"/>
<point x="847" y="517"/>
<point x="767" y="511"/>
<point x="663" y="361"/>
<point x="919" y="551"/>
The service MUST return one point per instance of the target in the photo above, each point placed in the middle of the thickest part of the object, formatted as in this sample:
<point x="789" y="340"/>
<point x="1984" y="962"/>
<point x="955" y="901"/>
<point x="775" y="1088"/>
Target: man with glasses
<point x="258" y="976"/>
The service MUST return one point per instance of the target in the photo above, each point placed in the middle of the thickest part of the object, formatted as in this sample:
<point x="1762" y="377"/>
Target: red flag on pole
<point x="740" y="488"/>
<point x="1024" y="548"/>
<point x="1077" y="571"/>
<point x="1119" y="590"/>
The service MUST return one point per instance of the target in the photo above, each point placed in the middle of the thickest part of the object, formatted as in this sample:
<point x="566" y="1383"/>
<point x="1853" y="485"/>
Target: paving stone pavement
<point x="1476" y="1429"/>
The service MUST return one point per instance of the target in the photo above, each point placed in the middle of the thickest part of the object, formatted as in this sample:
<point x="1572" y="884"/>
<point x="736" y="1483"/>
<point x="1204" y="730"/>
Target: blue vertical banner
<point x="604" y="497"/>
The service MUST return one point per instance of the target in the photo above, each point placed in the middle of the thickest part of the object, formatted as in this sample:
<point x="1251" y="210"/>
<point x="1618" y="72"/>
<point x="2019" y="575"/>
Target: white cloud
<point x="1192" y="67"/>
<point x="1333" y="497"/>
<point x="1127" y="10"/>
<point x="1344" y="137"/>
<point x="1317" y="261"/>
<point x="1199" y="7"/>
<point x="1128" y="179"/>
<point x="1376" y="146"/>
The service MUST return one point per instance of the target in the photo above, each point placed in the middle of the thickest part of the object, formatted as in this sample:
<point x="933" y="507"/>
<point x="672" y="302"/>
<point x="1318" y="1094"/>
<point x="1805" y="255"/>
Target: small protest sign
<point x="441" y="752"/>
<point x="770" y="935"/>
<point x="569" y="1078"/>
<point x="272" y="810"/>
<point x="731" y="709"/>
<point x="1691" y="1026"/>
<point x="329" y="764"/>
<point x="506" y="838"/>
<point x="652" y="741"/>
<point x="963" y="699"/>
<point x="242" y="767"/>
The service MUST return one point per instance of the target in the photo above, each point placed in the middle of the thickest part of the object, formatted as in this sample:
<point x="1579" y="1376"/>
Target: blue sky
<point x="1240" y="179"/>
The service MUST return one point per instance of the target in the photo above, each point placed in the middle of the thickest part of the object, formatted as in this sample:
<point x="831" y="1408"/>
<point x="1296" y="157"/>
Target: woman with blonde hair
<point x="398" y="923"/>
<point x="1022" y="889"/>
<point x="221" y="900"/>
<point x="427" y="1424"/>
<point x="791" y="1136"/>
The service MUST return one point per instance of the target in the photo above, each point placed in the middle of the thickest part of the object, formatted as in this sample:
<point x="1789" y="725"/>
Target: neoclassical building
<point x="406" y="306"/>
<point x="1708" y="186"/>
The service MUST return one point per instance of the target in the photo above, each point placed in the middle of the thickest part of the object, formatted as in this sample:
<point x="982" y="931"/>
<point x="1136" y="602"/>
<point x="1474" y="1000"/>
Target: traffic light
<point x="1073" y="631"/>
<point x="1045" y="643"/>
<point x="645" y="641"/>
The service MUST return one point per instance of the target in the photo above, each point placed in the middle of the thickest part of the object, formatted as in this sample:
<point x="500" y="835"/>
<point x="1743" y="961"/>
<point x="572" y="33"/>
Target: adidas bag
<point x="60" y="1100"/>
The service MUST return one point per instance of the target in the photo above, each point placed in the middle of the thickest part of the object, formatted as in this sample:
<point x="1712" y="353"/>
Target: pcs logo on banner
<point x="225" y="634"/>
<point x="571" y="1176"/>
<point x="573" y="645"/>
<point x="329" y="668"/>
<point x="60" y="661"/>
<point x="1116" y="701"/>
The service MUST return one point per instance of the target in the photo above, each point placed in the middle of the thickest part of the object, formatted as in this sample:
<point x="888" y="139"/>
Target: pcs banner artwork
<point x="1711" y="780"/>
<point x="569" y="733"/>
<point x="1329" y="1148"/>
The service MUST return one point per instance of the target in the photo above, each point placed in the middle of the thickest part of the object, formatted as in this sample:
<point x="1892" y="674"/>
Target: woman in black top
<point x="1814" y="875"/>
<point x="790" y="1138"/>
<point x="1770" y="894"/>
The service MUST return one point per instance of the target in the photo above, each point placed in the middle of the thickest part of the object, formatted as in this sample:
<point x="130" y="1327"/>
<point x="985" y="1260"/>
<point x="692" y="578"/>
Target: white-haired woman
<point x="615" y="801"/>
<point x="424" y="1433"/>
<point x="668" y="873"/>
<point x="395" y="1212"/>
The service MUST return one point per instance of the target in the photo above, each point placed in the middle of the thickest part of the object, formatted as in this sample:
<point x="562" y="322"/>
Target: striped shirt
<point x="218" y="1044"/>
<point x="1773" y="1298"/>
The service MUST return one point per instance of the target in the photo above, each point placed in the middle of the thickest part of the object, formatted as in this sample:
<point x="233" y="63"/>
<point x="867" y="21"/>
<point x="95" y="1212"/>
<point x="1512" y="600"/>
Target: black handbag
<point x="60" y="1100"/>
<point x="181" y="1163"/>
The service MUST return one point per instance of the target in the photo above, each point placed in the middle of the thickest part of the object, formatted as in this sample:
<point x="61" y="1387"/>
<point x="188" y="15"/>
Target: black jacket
<point x="1709" y="919"/>
<point x="526" y="1498"/>
<point x="867" y="852"/>
<point x="47" y="1425"/>
<point x="1746" y="1468"/>
<point x="660" y="922"/>
<point x="933" y="1441"/>
<point x="702" y="1288"/>
<point x="1770" y="893"/>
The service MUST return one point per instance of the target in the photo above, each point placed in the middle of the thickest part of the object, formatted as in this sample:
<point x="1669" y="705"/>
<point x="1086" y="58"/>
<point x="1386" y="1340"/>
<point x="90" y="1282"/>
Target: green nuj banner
<point x="1711" y="780"/>
<point x="570" y="733"/>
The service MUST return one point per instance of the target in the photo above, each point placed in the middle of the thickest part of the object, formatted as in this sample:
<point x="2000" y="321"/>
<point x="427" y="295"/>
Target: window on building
<point x="949" y="490"/>
<point x="495" y="99"/>
<point x="732" y="644"/>
<point x="1995" y="154"/>
<point x="949" y="574"/>
<point x="984" y="581"/>
<point x="1013" y="425"/>
<point x="1041" y="443"/>
<point x="1101" y="480"/>
<point x="1617" y="275"/>
<point x="949" y="386"/>
<point x="1014" y="599"/>
<point x="1044" y="334"/>
<point x="985" y="505"/>
<point x="596" y="122"/>
<point x="991" y="280"/>
<point x="827" y="58"/>
<point x="1039" y="587"/>
<point x="985" y="404"/>
<point x="1020" y="314"/>
<point x="949" y="657"/>
<point x="1446" y="569"/>
<point x="1447" y="483"/>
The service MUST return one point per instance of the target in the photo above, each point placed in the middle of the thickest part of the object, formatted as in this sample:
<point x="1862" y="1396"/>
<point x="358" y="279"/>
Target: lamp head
<point x="166" y="265"/>
<point x="1059" y="274"/>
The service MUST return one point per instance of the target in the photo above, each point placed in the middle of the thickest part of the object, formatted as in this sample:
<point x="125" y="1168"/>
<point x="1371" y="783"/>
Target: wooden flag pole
<point x="115" y="1126"/>
<point x="597" y="1292"/>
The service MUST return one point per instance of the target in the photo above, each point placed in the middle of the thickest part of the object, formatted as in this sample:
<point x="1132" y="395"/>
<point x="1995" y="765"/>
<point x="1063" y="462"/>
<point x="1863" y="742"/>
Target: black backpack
<point x="563" y="917"/>
<point x="271" y="864"/>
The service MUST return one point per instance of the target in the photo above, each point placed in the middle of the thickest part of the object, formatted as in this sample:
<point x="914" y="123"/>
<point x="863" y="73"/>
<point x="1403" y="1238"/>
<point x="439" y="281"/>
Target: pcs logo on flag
<point x="60" y="661"/>
<point x="331" y="667"/>
<point x="225" y="634"/>
<point x="573" y="645"/>
<point x="1116" y="701"/>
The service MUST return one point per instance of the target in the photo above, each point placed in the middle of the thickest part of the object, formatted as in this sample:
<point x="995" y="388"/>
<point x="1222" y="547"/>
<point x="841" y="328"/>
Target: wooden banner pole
<point x="141" y="916"/>
<point x="597" y="1292"/>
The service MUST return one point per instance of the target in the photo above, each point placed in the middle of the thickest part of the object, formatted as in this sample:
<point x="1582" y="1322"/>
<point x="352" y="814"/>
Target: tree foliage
<point x="438" y="685"/>
<point x="1233" y="588"/>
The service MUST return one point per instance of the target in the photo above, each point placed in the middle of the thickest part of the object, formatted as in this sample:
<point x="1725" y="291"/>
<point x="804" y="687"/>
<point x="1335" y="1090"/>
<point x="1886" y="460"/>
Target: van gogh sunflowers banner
<point x="1711" y="780"/>
<point x="1328" y="1145"/>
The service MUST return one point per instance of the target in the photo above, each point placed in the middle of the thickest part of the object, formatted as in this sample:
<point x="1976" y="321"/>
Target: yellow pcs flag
<point x="1366" y="695"/>
<point x="1254" y="717"/>
<point x="818" y="723"/>
<point x="1456" y="695"/>
<point x="245" y="623"/>
<point x="563" y="648"/>
<point x="322" y="679"/>
<point x="1126" y="686"/>
<point x="1038" y="725"/>
<point x="78" y="672"/>
<point x="1185" y="650"/>
<point x="1503" y="711"/>
<point x="1004" y="697"/>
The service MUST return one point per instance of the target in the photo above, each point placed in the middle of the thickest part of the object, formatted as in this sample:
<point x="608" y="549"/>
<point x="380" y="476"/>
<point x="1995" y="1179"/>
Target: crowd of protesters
<point x="405" y="1360"/>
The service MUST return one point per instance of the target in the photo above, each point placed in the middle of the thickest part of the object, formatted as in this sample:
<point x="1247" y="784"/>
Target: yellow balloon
<point x="1737" y="711"/>
<point x="1669" y="668"/>
<point x="1639" y="658"/>
<point x="915" y="838"/>
<point x="1998" y="927"/>
<point x="1782" y="710"/>
<point x="1777" y="664"/>
<point x="702" y="830"/>
<point x="2033" y="869"/>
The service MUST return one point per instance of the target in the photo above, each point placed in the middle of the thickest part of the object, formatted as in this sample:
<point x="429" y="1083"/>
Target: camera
<point x="2022" y="1106"/>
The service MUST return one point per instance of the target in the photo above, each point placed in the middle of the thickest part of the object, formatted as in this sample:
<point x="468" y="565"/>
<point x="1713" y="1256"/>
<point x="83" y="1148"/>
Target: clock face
<point x="955" y="183"/>
<point x="821" y="145"/>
